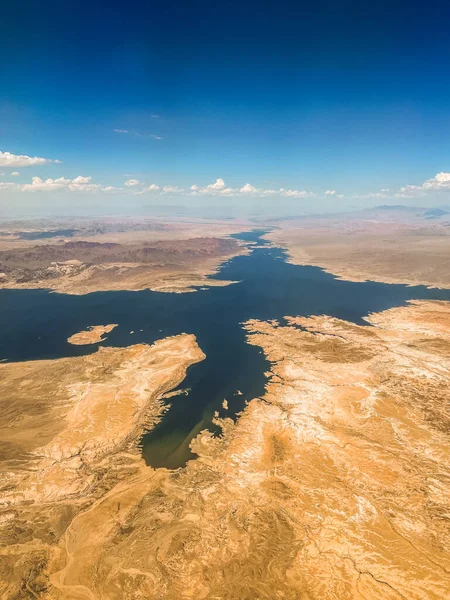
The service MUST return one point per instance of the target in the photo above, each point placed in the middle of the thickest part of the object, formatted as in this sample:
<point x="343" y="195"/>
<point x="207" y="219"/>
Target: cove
<point x="35" y="324"/>
<point x="41" y="235"/>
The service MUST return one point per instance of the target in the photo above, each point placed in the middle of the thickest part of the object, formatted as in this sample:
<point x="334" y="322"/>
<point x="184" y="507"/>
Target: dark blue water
<point x="35" y="324"/>
<point x="40" y="235"/>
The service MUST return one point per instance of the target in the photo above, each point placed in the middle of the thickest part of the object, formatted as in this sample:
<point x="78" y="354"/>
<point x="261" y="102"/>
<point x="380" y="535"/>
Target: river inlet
<point x="35" y="324"/>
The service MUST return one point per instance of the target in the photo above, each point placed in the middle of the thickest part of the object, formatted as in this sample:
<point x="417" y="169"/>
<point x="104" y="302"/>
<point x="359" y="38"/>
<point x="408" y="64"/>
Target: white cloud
<point x="369" y="196"/>
<point x="151" y="188"/>
<point x="295" y="193"/>
<point x="78" y="184"/>
<point x="219" y="188"/>
<point x="442" y="178"/>
<point x="7" y="185"/>
<point x="172" y="189"/>
<point x="248" y="189"/>
<point x="213" y="188"/>
<point x="440" y="182"/>
<point x="334" y="194"/>
<point x="138" y="134"/>
<point x="7" y="159"/>
<point x="81" y="180"/>
<point x="15" y="173"/>
<point x="218" y="185"/>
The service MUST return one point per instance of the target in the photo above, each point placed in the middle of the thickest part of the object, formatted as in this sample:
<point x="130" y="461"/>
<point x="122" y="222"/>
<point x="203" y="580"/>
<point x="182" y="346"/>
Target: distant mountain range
<point x="432" y="213"/>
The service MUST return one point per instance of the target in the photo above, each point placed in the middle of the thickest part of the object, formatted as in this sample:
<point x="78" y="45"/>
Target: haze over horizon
<point x="223" y="109"/>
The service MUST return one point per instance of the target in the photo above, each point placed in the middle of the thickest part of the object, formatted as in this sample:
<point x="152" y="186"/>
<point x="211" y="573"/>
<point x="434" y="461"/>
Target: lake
<point x="41" y="235"/>
<point x="35" y="324"/>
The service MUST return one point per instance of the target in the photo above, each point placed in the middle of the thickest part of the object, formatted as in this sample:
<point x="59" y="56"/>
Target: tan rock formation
<point x="334" y="485"/>
<point x="93" y="335"/>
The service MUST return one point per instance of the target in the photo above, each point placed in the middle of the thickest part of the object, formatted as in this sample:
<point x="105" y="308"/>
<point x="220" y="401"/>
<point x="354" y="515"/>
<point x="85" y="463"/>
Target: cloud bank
<point x="439" y="183"/>
<point x="219" y="188"/>
<point x="7" y="159"/>
<point x="430" y="187"/>
<point x="78" y="184"/>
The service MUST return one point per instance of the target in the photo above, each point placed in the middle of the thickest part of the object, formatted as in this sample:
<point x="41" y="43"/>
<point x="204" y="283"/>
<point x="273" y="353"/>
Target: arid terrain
<point x="334" y="485"/>
<point x="23" y="233"/>
<point x="392" y="245"/>
<point x="93" y="335"/>
<point x="80" y="257"/>
<point x="69" y="429"/>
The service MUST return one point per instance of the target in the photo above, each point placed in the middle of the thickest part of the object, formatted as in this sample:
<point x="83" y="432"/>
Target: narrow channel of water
<point x="35" y="324"/>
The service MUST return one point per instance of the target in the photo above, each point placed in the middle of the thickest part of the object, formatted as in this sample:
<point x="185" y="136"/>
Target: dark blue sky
<point x="345" y="96"/>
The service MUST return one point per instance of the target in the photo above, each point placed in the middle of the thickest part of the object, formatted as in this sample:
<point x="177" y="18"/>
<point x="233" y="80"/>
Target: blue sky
<point x="344" y="97"/>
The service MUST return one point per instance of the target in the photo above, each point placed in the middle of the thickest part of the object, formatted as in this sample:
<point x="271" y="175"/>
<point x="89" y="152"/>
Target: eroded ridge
<point x="334" y="485"/>
<point x="81" y="267"/>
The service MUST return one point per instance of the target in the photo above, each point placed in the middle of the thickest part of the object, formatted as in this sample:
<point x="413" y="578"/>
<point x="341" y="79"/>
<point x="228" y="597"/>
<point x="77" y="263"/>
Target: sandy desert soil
<point x="334" y="485"/>
<point x="371" y="246"/>
<point x="93" y="335"/>
<point x="69" y="429"/>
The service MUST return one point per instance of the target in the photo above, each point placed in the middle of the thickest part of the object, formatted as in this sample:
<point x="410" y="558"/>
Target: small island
<point x="93" y="335"/>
